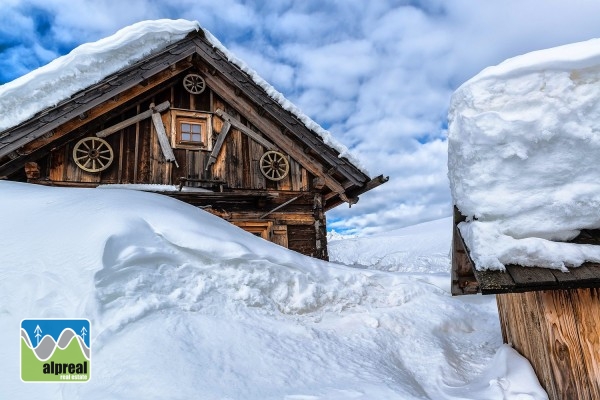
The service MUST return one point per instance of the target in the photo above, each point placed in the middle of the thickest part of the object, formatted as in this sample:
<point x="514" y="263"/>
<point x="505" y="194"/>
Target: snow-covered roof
<point x="90" y="63"/>
<point x="524" y="145"/>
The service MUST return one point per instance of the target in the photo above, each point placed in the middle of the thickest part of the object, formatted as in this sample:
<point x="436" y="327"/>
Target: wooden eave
<point x="343" y="180"/>
<point x="466" y="279"/>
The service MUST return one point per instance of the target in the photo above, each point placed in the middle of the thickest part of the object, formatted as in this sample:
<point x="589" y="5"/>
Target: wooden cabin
<point x="551" y="317"/>
<point x="186" y="116"/>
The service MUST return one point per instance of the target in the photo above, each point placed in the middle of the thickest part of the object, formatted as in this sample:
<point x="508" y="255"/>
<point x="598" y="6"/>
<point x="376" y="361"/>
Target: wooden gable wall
<point x="288" y="212"/>
<point x="138" y="157"/>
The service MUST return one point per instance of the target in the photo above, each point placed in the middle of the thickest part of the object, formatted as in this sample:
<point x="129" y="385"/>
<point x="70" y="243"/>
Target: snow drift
<point x="524" y="145"/>
<point x="185" y="305"/>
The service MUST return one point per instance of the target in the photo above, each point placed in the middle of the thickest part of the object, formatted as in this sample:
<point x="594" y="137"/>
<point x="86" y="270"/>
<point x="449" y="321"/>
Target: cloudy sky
<point x="377" y="73"/>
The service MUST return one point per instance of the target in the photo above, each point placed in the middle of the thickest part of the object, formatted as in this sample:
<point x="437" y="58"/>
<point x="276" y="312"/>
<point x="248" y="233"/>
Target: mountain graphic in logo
<point x="55" y="350"/>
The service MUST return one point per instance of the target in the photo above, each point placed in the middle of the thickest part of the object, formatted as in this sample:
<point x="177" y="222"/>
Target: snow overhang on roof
<point x="524" y="145"/>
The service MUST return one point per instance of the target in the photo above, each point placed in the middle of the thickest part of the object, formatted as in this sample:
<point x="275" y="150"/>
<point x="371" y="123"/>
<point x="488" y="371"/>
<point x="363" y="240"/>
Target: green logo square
<point x="55" y="350"/>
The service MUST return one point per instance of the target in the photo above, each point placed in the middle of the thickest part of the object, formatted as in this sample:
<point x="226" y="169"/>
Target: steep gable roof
<point x="35" y="106"/>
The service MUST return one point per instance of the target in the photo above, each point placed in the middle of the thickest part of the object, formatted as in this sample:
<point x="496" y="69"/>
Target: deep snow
<point x="185" y="305"/>
<point x="523" y="150"/>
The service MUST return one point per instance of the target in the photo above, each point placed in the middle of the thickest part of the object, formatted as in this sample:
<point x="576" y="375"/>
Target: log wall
<point x="558" y="331"/>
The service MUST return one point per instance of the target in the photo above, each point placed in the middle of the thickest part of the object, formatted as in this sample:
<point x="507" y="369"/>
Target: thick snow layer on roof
<point x="84" y="66"/>
<point x="91" y="62"/>
<point x="524" y="145"/>
<point x="183" y="304"/>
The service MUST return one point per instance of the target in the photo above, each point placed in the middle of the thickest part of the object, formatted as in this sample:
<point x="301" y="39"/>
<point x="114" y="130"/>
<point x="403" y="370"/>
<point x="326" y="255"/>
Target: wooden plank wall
<point x="558" y="331"/>
<point x="138" y="158"/>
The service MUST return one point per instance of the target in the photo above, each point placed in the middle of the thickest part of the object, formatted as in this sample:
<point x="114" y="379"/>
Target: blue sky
<point x="378" y="74"/>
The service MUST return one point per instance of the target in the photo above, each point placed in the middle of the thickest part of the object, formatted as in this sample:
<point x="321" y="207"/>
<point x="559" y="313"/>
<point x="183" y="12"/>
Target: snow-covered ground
<point x="184" y="305"/>
<point x="523" y="151"/>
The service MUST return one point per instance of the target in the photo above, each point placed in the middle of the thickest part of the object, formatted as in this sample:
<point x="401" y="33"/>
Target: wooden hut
<point x="551" y="317"/>
<point x="186" y="116"/>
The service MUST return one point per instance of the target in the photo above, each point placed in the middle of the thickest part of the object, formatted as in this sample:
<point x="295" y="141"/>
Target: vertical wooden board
<point x="144" y="152"/>
<point x="129" y="152"/>
<point x="503" y="312"/>
<point x="202" y="101"/>
<point x="285" y="183"/>
<point x="57" y="164"/>
<point x="586" y="305"/>
<point x="255" y="152"/>
<point x="522" y="328"/>
<point x="181" y="172"/>
<point x="181" y="98"/>
<point x="218" y="171"/>
<point x="246" y="163"/>
<point x="192" y="172"/>
<point x="280" y="235"/>
<point x="306" y="180"/>
<point x="565" y="353"/>
<point x="296" y="175"/>
<point x="233" y="168"/>
<point x="111" y="174"/>
<point x="541" y="344"/>
<point x="203" y="157"/>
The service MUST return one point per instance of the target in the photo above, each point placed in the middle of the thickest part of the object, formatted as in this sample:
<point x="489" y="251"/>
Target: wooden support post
<point x="215" y="151"/>
<point x="558" y="331"/>
<point x="163" y="140"/>
<point x="320" y="228"/>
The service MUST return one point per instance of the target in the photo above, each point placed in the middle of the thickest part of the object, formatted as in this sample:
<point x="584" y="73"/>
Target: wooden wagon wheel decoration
<point x="93" y="154"/>
<point x="194" y="83"/>
<point x="274" y="165"/>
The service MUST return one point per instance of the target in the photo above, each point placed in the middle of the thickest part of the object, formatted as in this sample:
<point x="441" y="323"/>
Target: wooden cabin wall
<point x="138" y="159"/>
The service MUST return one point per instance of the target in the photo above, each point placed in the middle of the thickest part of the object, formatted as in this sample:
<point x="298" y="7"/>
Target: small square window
<point x="191" y="130"/>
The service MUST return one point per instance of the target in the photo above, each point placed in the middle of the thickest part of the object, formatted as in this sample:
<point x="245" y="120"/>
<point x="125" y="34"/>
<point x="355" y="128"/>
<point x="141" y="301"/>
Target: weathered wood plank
<point x="531" y="276"/>
<point x="569" y="373"/>
<point x="219" y="144"/>
<point x="586" y="304"/>
<point x="163" y="140"/>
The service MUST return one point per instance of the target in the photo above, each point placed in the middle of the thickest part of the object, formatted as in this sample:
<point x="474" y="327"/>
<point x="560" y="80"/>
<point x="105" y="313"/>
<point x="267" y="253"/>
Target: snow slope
<point x="418" y="248"/>
<point x="184" y="305"/>
<point x="524" y="144"/>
